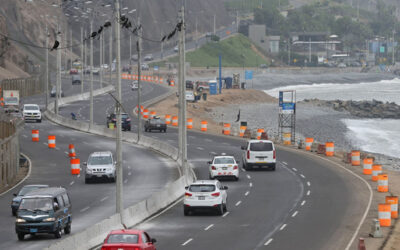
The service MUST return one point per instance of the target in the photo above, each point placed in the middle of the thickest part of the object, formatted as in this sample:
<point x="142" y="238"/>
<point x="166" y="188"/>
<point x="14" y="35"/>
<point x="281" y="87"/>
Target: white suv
<point x="32" y="112"/>
<point x="205" y="194"/>
<point x="100" y="165"/>
<point x="259" y="153"/>
<point x="224" y="166"/>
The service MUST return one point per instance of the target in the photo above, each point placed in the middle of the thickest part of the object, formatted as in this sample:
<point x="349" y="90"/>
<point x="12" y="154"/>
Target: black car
<point x="125" y="124"/>
<point x="155" y="124"/>
<point x="44" y="210"/>
<point x="18" y="197"/>
<point x="189" y="84"/>
<point x="54" y="90"/>
<point x="76" y="79"/>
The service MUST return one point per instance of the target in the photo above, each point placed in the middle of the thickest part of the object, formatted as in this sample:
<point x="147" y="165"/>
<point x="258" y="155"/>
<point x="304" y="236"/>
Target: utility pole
<point x="110" y="55"/>
<point x="47" y="66"/>
<point x="66" y="49"/>
<point x="82" y="65"/>
<point x="86" y="52"/>
<point x="309" y="54"/>
<point x="119" y="205"/>
<point x="101" y="60"/>
<point x="70" y="49"/>
<point x="237" y="21"/>
<point x="91" y="76"/>
<point x="289" y="59"/>
<point x="182" y="96"/>
<point x="58" y="84"/>
<point x="393" y="48"/>
<point x="162" y="46"/>
<point x="139" y="51"/>
<point x="214" y="24"/>
<point x="196" y="33"/>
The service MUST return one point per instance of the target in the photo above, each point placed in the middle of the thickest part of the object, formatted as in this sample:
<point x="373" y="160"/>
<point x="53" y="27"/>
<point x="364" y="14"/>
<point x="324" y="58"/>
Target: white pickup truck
<point x="32" y="112"/>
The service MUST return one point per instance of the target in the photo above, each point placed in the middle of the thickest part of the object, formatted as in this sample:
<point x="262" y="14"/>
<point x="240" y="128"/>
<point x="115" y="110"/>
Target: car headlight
<point x="50" y="219"/>
<point x="88" y="170"/>
<point x="19" y="220"/>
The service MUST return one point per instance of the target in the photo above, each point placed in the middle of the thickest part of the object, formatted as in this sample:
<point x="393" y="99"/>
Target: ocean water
<point x="385" y="90"/>
<point x="373" y="135"/>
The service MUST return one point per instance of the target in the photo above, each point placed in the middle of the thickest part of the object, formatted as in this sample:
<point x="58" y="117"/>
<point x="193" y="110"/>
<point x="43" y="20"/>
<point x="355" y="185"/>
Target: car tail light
<point x="213" y="168"/>
<point x="114" y="120"/>
<point x="235" y="167"/>
<point x="215" y="194"/>
<point x="248" y="154"/>
<point x="128" y="120"/>
<point x="188" y="194"/>
<point x="274" y="154"/>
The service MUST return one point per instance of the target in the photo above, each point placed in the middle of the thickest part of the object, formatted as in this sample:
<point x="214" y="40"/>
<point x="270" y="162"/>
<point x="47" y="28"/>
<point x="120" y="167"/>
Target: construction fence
<point x="26" y="86"/>
<point x="9" y="148"/>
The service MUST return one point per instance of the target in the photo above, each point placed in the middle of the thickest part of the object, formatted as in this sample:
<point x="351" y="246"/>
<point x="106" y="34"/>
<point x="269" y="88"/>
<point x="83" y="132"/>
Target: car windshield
<point x="156" y="121"/>
<point x="123" y="238"/>
<point x="202" y="188"/>
<point x="99" y="160"/>
<point x="36" y="204"/>
<point x="124" y="116"/>
<point x="25" y="190"/>
<point x="226" y="160"/>
<point x="261" y="146"/>
<point x="31" y="108"/>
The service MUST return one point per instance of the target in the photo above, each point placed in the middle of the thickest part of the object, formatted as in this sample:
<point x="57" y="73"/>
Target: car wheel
<point x="113" y="179"/>
<point x="21" y="236"/>
<point x="67" y="229"/>
<point x="129" y="129"/>
<point x="236" y="178"/>
<point x="220" y="209"/>
<point x="87" y="180"/>
<point x="225" y="207"/>
<point x="150" y="130"/>
<point x="145" y="130"/>
<point x="14" y="213"/>
<point x="211" y="178"/>
<point x="273" y="167"/>
<point x="57" y="233"/>
<point x="39" y="121"/>
<point x="186" y="211"/>
<point x="165" y="130"/>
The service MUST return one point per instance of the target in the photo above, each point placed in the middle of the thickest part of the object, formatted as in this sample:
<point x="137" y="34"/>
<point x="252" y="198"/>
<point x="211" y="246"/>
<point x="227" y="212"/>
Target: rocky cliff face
<point x="362" y="109"/>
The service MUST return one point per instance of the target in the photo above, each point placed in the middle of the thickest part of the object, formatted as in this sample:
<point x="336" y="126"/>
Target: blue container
<point x="228" y="82"/>
<point x="213" y="88"/>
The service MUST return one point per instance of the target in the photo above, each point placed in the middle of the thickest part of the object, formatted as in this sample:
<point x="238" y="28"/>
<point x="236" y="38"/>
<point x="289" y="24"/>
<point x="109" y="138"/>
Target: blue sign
<point x="280" y="98"/>
<point x="248" y="74"/>
<point x="288" y="107"/>
<point x="156" y="68"/>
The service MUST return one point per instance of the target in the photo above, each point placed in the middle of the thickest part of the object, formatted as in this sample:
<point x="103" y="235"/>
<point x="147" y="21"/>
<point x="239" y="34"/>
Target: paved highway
<point x="307" y="203"/>
<point x="145" y="172"/>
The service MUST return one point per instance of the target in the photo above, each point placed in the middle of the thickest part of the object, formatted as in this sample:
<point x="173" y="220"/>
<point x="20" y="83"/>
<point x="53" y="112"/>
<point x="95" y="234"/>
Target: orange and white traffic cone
<point x="75" y="166"/>
<point x="71" y="150"/>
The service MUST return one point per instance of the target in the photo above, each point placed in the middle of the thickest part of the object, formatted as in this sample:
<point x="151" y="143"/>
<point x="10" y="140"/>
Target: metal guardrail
<point x="10" y="127"/>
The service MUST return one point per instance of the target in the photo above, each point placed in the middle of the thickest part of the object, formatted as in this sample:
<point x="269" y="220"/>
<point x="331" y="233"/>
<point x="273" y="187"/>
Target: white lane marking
<point x="308" y="192"/>
<point x="244" y="170"/>
<point x="251" y="184"/>
<point x="308" y="183"/>
<point x="45" y="143"/>
<point x="192" y="137"/>
<point x="85" y="143"/>
<point x="72" y="183"/>
<point x="25" y="136"/>
<point x="79" y="175"/>
<point x="302" y="203"/>
<point x="248" y="176"/>
<point x="210" y="226"/>
<point x="247" y="193"/>
<point x="302" y="176"/>
<point x="282" y="227"/>
<point x="66" y="152"/>
<point x="129" y="173"/>
<point x="57" y="148"/>
<point x="187" y="242"/>
<point x="125" y="181"/>
<point x="103" y="199"/>
<point x="209" y="140"/>
<point x="225" y="214"/>
<point x="295" y="169"/>
<point x="170" y="140"/>
<point x="285" y="163"/>
<point x="238" y="203"/>
<point x="213" y="153"/>
<point x="200" y="148"/>
<point x="267" y="243"/>
<point x="225" y="143"/>
<point x="84" y="209"/>
<point x="295" y="213"/>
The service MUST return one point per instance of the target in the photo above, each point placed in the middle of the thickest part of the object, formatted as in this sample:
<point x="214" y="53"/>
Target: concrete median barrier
<point x="93" y="235"/>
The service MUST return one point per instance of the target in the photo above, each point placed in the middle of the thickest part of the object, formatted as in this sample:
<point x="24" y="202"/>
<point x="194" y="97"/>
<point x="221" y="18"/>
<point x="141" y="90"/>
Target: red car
<point x="128" y="239"/>
<point x="73" y="72"/>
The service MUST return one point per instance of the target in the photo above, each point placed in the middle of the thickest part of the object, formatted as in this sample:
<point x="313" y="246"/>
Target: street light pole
<point x="119" y="205"/>
<point x="91" y="76"/>
<point x="110" y="55"/>
<point x="182" y="97"/>
<point x="47" y="66"/>
<point x="58" y="84"/>
<point x="101" y="60"/>
<point x="139" y="51"/>
<point x="82" y="65"/>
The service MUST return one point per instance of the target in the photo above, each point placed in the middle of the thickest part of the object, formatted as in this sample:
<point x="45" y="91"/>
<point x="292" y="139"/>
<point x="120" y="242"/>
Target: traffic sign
<point x="288" y="108"/>
<point x="248" y="74"/>
<point x="155" y="68"/>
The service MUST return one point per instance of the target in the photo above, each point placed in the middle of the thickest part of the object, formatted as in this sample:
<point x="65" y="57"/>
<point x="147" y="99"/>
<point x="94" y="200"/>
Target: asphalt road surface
<point x="307" y="203"/>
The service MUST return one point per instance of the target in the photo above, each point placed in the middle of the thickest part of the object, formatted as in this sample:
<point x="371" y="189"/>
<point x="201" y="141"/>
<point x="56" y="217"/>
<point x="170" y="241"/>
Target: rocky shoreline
<point x="361" y="109"/>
